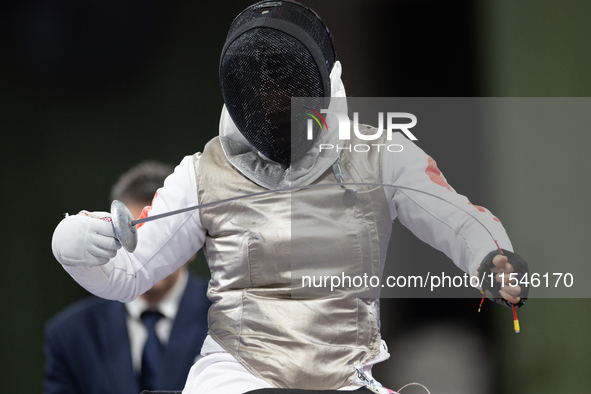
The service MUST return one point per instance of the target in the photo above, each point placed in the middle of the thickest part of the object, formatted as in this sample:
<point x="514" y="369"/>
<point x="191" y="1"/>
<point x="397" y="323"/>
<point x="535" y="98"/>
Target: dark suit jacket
<point x="88" y="351"/>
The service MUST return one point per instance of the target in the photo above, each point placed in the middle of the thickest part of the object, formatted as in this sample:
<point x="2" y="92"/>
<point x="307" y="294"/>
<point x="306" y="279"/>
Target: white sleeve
<point x="449" y="222"/>
<point x="163" y="246"/>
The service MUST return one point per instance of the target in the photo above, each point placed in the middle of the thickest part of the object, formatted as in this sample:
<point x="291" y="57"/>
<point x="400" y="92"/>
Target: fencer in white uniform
<point x="260" y="337"/>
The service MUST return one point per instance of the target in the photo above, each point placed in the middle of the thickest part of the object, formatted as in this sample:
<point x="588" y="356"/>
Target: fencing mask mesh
<point x="274" y="51"/>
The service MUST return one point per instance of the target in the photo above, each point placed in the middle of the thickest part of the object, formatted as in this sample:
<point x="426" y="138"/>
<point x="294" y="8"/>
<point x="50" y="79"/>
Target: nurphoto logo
<point x="345" y="129"/>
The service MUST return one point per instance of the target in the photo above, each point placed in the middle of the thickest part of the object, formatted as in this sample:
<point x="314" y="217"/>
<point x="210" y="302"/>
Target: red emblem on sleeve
<point x="435" y="175"/>
<point x="146" y="211"/>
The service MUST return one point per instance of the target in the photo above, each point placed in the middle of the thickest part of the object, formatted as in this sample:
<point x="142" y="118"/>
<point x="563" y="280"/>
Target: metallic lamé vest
<point x="289" y="342"/>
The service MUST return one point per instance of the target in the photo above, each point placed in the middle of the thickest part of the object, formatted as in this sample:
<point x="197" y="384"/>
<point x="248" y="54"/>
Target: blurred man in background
<point x="103" y="346"/>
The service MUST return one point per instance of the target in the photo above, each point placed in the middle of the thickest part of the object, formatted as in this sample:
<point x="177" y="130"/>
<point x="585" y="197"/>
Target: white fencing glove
<point x="86" y="239"/>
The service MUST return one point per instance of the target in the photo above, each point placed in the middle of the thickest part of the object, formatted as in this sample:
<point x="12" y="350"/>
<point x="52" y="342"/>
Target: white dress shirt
<point x="169" y="306"/>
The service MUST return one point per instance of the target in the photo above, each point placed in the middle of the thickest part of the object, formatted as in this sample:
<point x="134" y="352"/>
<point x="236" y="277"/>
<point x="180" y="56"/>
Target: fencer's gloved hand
<point x="509" y="272"/>
<point x="86" y="239"/>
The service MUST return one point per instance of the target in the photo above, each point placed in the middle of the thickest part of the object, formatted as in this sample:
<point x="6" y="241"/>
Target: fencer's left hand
<point x="510" y="289"/>
<point x="504" y="277"/>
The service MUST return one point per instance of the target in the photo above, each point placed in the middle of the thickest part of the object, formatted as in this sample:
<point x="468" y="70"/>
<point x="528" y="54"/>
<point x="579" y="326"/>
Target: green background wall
<point x="541" y="49"/>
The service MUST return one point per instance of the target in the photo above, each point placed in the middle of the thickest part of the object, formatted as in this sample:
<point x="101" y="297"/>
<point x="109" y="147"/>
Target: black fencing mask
<point x="275" y="50"/>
